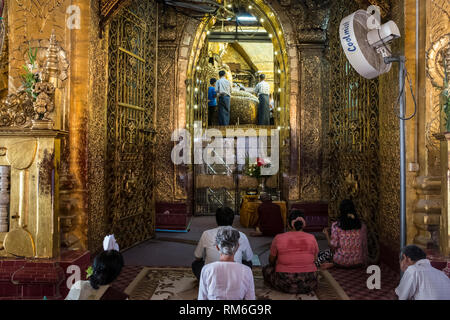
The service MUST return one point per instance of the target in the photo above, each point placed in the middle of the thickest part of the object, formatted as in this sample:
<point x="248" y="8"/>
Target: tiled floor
<point x="177" y="249"/>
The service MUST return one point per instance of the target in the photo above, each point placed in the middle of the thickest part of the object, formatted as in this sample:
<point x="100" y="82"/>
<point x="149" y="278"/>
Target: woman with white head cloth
<point x="105" y="269"/>
<point x="226" y="279"/>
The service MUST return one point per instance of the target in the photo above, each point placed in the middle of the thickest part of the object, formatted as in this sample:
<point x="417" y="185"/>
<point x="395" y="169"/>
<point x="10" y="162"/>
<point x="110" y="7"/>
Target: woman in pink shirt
<point x="348" y="241"/>
<point x="291" y="266"/>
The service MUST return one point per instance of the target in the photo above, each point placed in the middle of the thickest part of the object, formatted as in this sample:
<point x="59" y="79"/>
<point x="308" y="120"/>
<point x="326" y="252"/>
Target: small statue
<point x="44" y="104"/>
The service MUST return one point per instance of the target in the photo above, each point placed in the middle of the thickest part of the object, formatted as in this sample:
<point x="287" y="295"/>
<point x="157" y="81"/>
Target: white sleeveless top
<point x="82" y="290"/>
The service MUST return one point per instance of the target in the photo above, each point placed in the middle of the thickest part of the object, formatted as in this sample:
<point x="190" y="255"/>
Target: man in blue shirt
<point x="212" y="103"/>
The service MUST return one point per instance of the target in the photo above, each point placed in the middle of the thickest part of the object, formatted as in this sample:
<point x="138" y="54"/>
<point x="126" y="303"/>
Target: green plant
<point x="31" y="76"/>
<point x="254" y="169"/>
<point x="89" y="272"/>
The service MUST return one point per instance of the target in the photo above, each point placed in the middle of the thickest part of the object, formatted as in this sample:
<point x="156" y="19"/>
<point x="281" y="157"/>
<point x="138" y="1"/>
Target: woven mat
<point x="171" y="283"/>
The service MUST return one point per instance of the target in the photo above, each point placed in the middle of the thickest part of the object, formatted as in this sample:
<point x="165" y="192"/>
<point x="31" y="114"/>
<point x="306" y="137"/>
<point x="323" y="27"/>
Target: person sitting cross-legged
<point x="420" y="281"/>
<point x="291" y="266"/>
<point x="270" y="222"/>
<point x="206" y="251"/>
<point x="348" y="240"/>
<point x="226" y="279"/>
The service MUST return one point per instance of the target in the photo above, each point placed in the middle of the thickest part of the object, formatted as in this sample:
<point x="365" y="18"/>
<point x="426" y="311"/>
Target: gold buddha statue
<point x="243" y="104"/>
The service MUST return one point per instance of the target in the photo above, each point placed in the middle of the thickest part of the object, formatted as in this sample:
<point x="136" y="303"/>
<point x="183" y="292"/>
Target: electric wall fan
<point x="365" y="42"/>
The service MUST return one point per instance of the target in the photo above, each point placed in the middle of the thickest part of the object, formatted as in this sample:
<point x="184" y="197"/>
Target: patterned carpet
<point x="170" y="283"/>
<point x="353" y="281"/>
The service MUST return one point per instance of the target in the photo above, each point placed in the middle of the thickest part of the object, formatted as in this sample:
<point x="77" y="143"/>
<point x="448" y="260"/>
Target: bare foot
<point x="255" y="234"/>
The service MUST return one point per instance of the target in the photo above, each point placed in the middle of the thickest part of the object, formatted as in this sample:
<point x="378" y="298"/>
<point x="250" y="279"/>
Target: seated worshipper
<point x="206" y="251"/>
<point x="105" y="269"/>
<point x="420" y="281"/>
<point x="226" y="279"/>
<point x="270" y="222"/>
<point x="348" y="239"/>
<point x="291" y="266"/>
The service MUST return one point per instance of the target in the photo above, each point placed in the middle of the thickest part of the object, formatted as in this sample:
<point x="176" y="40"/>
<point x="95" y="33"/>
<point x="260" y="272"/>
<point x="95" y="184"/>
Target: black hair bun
<point x="298" y="225"/>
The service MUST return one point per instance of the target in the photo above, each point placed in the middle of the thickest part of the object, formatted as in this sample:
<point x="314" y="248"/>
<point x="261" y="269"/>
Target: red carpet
<point x="126" y="277"/>
<point x="353" y="281"/>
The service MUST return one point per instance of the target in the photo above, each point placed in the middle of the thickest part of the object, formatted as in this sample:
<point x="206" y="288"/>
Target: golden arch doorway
<point x="230" y="181"/>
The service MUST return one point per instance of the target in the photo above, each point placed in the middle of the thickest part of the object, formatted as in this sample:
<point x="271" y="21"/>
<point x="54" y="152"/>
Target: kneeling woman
<point x="226" y="279"/>
<point x="291" y="266"/>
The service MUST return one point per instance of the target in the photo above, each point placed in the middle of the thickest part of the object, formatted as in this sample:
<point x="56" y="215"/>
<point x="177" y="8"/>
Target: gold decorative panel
<point x="130" y="122"/>
<point x="311" y="144"/>
<point x="353" y="134"/>
<point x="98" y="50"/>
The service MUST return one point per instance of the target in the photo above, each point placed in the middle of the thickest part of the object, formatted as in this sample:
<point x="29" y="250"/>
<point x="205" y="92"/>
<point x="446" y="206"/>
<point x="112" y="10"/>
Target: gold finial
<point x="51" y="69"/>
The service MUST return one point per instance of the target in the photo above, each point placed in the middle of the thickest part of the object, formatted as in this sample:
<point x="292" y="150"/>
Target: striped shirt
<point x="262" y="88"/>
<point x="223" y="86"/>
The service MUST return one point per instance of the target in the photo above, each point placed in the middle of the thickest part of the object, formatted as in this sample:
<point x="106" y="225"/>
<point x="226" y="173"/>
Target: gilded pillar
<point x="431" y="180"/>
<point x="312" y="108"/>
<point x="444" y="217"/>
<point x="445" y="214"/>
<point x="173" y="54"/>
<point x="308" y="85"/>
<point x="30" y="25"/>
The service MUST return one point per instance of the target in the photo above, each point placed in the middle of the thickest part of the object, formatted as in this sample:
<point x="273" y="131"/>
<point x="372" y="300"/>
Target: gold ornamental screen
<point x="353" y="133"/>
<point x="132" y="43"/>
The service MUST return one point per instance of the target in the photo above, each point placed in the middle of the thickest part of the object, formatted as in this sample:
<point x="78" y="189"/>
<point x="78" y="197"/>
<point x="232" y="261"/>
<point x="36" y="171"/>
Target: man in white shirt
<point x="420" y="280"/>
<point x="262" y="90"/>
<point x="226" y="279"/>
<point x="223" y="90"/>
<point x="206" y="251"/>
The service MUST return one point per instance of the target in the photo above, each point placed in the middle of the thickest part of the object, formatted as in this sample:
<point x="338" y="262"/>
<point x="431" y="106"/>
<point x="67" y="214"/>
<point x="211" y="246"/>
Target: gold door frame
<point x="194" y="97"/>
<point x="354" y="134"/>
<point x="131" y="110"/>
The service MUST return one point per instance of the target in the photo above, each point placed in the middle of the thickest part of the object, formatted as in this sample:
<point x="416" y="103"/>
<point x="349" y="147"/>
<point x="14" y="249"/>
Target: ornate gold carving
<point x="384" y="5"/>
<point x="31" y="20"/>
<point x="171" y="181"/>
<point x="310" y="17"/>
<point x="40" y="10"/>
<point x="97" y="186"/>
<point x="44" y="103"/>
<point x="311" y="123"/>
<point x="353" y="134"/>
<point x="4" y="55"/>
<point x="434" y="232"/>
<point x="51" y="66"/>
<point x="16" y="110"/>
<point x="130" y="117"/>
